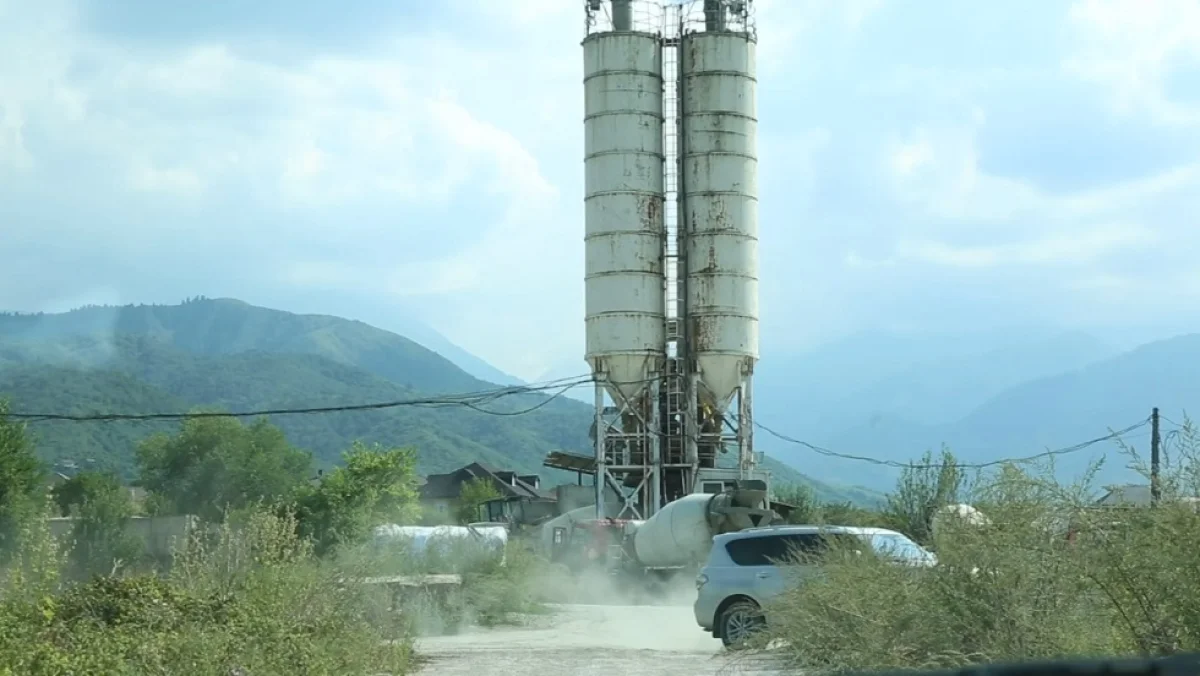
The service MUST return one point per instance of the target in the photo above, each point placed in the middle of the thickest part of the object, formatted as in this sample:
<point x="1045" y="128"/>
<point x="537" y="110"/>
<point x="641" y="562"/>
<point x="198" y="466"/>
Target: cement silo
<point x="624" y="234"/>
<point x="719" y="206"/>
<point x="671" y="223"/>
<point x="720" y="198"/>
<point x="623" y="212"/>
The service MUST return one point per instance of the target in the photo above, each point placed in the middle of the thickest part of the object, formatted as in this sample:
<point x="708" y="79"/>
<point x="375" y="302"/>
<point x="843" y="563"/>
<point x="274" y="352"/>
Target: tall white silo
<point x="625" y="306"/>
<point x="625" y="233"/>
<point x="720" y="202"/>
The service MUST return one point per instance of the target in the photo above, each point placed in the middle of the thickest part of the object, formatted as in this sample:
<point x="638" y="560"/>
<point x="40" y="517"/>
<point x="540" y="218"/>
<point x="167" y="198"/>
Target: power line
<point x="475" y="401"/>
<point x="909" y="465"/>
<point x="472" y="400"/>
<point x="1168" y="420"/>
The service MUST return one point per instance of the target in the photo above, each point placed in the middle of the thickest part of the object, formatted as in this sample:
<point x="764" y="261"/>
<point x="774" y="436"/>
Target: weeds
<point x="1048" y="576"/>
<point x="495" y="589"/>
<point x="249" y="599"/>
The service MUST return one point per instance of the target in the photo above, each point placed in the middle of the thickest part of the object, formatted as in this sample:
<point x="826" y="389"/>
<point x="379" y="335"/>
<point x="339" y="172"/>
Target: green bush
<point x="1017" y="588"/>
<point x="101" y="507"/>
<point x="252" y="598"/>
<point x="22" y="492"/>
<point x="271" y="585"/>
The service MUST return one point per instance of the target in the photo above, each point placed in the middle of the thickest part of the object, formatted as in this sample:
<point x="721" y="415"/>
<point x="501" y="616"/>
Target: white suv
<point x="741" y="574"/>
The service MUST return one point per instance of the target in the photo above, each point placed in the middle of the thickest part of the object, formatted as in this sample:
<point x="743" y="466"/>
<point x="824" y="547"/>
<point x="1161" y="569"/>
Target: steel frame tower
<point x="671" y="200"/>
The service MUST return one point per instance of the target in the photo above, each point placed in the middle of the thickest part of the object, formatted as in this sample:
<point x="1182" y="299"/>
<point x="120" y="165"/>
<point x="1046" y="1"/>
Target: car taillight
<point x="701" y="580"/>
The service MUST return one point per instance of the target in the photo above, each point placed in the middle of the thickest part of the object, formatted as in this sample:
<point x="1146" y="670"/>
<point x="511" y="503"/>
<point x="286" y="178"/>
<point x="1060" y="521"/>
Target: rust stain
<point x="652" y="211"/>
<point x="710" y="263"/>
<point x="703" y="333"/>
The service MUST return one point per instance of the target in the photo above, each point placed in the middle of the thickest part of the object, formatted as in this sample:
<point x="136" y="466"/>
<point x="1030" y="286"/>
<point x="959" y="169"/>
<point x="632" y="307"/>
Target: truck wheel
<point x="739" y="622"/>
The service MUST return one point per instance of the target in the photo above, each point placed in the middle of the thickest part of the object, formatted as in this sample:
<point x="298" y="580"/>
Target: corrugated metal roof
<point x="570" y="462"/>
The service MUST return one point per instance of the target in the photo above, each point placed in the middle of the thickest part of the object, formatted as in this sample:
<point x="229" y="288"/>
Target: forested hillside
<point x="231" y="356"/>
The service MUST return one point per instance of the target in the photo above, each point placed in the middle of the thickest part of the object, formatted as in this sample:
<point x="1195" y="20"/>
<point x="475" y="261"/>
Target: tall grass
<point x="1127" y="583"/>
<point x="494" y="590"/>
<point x="249" y="599"/>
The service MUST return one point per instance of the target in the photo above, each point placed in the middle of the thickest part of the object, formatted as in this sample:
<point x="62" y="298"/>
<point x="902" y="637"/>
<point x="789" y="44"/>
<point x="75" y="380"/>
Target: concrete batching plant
<point x="671" y="232"/>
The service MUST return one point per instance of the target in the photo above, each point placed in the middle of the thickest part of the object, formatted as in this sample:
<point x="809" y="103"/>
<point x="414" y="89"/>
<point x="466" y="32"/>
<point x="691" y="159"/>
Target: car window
<point x="896" y="546"/>
<point x="767" y="550"/>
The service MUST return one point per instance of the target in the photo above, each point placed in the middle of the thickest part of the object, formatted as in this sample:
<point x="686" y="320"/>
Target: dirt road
<point x="585" y="640"/>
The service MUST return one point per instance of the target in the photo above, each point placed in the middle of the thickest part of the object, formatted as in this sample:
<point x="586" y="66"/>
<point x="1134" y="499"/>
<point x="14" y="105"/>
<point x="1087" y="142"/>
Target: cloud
<point x="427" y="156"/>
<point x="1131" y="48"/>
<point x="361" y="170"/>
<point x="1087" y="247"/>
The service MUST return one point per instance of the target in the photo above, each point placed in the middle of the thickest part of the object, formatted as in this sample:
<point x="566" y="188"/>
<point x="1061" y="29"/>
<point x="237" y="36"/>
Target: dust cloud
<point x="598" y="625"/>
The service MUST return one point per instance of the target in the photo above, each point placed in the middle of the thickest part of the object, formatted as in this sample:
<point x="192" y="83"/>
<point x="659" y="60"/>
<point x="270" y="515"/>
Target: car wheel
<point x="739" y="622"/>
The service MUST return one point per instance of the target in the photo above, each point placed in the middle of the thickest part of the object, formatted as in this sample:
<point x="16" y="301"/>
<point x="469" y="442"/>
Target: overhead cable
<point x="994" y="463"/>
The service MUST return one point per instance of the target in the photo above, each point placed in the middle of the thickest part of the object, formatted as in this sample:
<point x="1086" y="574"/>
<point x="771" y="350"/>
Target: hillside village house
<point x="439" y="494"/>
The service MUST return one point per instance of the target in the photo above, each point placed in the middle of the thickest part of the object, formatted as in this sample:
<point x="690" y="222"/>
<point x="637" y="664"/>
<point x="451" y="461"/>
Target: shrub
<point x="1016" y="588"/>
<point x="252" y="598"/>
<point x="22" y="495"/>
<point x="102" y="508"/>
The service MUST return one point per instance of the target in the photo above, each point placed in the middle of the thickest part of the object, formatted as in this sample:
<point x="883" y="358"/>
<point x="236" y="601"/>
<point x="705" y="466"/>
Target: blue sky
<point x="923" y="165"/>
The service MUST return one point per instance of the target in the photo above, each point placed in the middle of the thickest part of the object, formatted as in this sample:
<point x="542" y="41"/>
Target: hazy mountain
<point x="1044" y="413"/>
<point x="927" y="378"/>
<point x="570" y="368"/>
<point x="428" y="337"/>
<point x="225" y="327"/>
<point x="945" y="389"/>
<point x="229" y="354"/>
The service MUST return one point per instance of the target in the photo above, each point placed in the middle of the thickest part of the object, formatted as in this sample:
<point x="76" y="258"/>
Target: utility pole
<point x="1155" y="452"/>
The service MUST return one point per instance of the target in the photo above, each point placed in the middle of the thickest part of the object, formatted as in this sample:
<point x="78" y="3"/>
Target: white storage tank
<point x="623" y="217"/>
<point x="450" y="546"/>
<point x="720" y="206"/>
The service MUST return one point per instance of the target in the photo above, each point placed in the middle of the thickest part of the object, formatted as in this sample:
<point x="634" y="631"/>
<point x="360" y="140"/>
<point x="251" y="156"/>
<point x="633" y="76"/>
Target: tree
<point x="922" y="489"/>
<point x="22" y="481"/>
<point x="803" y="501"/>
<point x="847" y="514"/>
<point x="473" y="494"/>
<point x="376" y="485"/>
<point x="217" y="464"/>
<point x="102" y="507"/>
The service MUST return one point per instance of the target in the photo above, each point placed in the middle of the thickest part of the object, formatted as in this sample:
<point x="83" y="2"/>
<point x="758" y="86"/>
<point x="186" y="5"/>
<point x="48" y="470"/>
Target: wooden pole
<point x="1155" y="459"/>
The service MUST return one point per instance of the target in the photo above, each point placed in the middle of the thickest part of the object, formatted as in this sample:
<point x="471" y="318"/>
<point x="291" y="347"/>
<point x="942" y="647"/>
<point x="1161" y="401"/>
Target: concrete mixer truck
<point x="652" y="552"/>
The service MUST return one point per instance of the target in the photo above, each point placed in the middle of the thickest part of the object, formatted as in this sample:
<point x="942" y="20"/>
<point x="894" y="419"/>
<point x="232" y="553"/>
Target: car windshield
<point x="896" y="546"/>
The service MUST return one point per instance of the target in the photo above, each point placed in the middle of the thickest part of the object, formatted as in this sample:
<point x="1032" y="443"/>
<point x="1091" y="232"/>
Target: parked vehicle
<point x="747" y="569"/>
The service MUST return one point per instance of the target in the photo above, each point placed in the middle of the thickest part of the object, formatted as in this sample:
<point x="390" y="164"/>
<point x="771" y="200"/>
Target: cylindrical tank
<point x="720" y="189"/>
<point x="445" y="546"/>
<point x="949" y="517"/>
<point x="623" y="213"/>
<point x="681" y="533"/>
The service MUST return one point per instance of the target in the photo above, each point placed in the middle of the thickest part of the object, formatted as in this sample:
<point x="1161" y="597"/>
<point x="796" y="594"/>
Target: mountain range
<point x="891" y="399"/>
<point x="986" y="393"/>
<point x="887" y="397"/>
<point x="226" y="354"/>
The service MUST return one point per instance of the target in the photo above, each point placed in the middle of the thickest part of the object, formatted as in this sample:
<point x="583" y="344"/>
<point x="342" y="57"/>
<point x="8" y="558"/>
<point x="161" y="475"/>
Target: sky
<point x="922" y="165"/>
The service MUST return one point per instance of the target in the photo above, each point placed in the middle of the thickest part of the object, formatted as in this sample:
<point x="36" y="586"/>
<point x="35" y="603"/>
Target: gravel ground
<point x="584" y="640"/>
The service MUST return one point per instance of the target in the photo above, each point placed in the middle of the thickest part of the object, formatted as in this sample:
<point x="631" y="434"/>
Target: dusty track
<point x="585" y="640"/>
